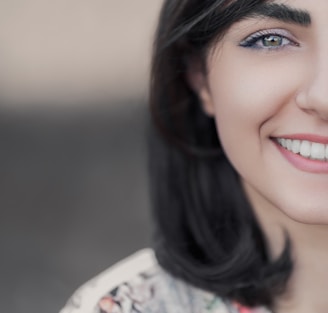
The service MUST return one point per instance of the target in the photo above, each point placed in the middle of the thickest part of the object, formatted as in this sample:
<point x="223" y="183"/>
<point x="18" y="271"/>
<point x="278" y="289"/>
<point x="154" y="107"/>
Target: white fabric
<point x="85" y="299"/>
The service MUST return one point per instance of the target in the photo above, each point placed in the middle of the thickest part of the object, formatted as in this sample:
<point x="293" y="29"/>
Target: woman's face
<point x="267" y="88"/>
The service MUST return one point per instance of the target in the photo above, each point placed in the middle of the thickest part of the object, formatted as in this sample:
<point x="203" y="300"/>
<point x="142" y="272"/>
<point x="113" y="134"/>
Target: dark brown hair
<point x="206" y="232"/>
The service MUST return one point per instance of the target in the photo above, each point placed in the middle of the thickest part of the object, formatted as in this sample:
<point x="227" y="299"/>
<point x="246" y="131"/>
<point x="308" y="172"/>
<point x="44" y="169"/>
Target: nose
<point x="313" y="98"/>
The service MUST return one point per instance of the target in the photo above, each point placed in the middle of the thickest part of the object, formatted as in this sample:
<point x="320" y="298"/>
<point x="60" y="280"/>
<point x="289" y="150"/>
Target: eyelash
<point x="253" y="40"/>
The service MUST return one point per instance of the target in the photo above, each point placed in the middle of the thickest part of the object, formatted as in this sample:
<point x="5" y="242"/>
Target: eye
<point x="268" y="40"/>
<point x="273" y="41"/>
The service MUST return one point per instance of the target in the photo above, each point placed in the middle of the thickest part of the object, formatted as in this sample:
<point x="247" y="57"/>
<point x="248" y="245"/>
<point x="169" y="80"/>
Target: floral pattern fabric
<point x="139" y="285"/>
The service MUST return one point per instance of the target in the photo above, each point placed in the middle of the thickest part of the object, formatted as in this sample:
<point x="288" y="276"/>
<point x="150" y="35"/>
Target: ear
<point x="197" y="80"/>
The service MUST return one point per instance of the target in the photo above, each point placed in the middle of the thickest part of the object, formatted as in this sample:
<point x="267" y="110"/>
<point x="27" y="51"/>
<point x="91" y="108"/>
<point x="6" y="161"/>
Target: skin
<point x="257" y="94"/>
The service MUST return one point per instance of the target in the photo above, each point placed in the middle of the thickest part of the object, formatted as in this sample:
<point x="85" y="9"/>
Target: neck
<point x="308" y="285"/>
<point x="307" y="288"/>
<point x="306" y="291"/>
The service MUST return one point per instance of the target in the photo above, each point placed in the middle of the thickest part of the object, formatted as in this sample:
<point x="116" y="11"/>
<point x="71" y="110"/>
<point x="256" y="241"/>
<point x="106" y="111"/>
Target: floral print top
<point x="139" y="285"/>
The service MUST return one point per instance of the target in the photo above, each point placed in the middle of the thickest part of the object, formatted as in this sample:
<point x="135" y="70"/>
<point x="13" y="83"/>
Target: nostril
<point x="324" y="117"/>
<point x="314" y="102"/>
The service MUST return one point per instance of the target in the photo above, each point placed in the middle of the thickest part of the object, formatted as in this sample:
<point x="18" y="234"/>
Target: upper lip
<point x="308" y="137"/>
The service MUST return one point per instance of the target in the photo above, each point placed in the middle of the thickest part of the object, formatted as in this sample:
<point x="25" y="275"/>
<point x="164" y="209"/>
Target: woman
<point x="238" y="163"/>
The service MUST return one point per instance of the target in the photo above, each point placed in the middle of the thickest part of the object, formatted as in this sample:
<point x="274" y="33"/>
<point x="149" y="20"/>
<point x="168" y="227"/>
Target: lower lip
<point x="303" y="164"/>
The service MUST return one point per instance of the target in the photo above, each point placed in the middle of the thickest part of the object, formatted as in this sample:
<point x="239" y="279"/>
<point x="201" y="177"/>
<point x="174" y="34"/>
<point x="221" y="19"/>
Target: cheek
<point x="249" y="99"/>
<point x="248" y="93"/>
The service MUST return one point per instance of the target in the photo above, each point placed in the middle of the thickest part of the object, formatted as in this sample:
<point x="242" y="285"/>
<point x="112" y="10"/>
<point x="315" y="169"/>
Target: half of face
<point x="266" y="88"/>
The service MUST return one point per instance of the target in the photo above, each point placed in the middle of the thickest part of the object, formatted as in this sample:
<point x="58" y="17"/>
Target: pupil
<point x="272" y="41"/>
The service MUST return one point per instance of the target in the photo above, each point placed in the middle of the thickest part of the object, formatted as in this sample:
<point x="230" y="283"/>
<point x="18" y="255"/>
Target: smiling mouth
<point x="305" y="148"/>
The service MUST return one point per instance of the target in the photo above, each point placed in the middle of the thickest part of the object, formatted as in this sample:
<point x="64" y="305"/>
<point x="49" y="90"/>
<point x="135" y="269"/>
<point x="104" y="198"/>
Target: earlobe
<point x="198" y="82"/>
<point x="206" y="100"/>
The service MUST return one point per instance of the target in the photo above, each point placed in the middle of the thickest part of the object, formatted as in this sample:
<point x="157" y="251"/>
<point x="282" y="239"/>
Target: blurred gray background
<point x="73" y="120"/>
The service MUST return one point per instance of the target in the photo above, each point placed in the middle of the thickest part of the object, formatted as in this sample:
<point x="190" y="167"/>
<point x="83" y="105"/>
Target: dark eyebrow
<point x="281" y="12"/>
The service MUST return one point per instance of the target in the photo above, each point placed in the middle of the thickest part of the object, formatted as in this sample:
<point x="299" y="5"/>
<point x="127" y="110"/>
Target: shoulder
<point x="87" y="297"/>
<point x="138" y="285"/>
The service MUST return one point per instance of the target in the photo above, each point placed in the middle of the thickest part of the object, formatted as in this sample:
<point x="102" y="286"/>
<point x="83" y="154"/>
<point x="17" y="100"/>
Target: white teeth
<point x="296" y="146"/>
<point x="318" y="151"/>
<point x="307" y="149"/>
